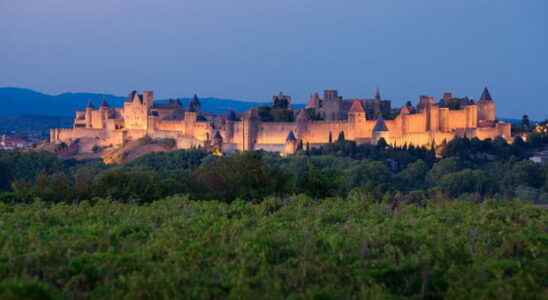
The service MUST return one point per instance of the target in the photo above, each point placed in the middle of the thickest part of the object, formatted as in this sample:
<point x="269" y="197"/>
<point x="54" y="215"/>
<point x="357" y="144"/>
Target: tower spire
<point x="485" y="95"/>
<point x="378" y="94"/>
<point x="194" y="104"/>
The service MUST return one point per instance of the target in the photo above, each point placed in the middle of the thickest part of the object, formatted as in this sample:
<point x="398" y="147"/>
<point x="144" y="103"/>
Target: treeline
<point x="465" y="168"/>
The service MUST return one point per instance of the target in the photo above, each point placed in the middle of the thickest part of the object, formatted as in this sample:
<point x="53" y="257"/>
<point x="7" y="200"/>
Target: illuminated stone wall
<point x="431" y="124"/>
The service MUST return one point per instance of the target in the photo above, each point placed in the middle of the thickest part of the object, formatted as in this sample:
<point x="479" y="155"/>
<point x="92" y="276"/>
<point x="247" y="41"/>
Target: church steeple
<point x="378" y="94"/>
<point x="485" y="96"/>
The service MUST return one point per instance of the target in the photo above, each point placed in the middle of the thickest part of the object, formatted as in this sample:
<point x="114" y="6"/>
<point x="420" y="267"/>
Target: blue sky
<point x="250" y="49"/>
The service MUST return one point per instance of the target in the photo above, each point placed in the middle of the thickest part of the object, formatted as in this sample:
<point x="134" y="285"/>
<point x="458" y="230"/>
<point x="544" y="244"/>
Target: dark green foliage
<point x="131" y="186"/>
<point x="468" y="168"/>
<point x="372" y="175"/>
<point x="291" y="248"/>
<point x="413" y="177"/>
<point x="478" y="152"/>
<point x="524" y="173"/>
<point x="466" y="181"/>
<point x="24" y="290"/>
<point x="243" y="176"/>
<point x="442" y="168"/>
<point x="5" y="176"/>
<point x="374" y="223"/>
<point x="170" y="161"/>
<point x="27" y="165"/>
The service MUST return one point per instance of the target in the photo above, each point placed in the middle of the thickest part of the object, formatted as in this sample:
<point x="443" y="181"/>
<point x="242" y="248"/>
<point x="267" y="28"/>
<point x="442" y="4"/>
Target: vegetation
<point x="292" y="247"/>
<point x="471" y="169"/>
<point x="340" y="221"/>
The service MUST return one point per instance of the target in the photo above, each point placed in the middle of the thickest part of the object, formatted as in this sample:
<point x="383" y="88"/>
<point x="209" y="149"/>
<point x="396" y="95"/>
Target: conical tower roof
<point x="218" y="137"/>
<point x="194" y="104"/>
<point x="131" y="96"/>
<point x="485" y="95"/>
<point x="356" y="107"/>
<point x="291" y="137"/>
<point x="380" y="125"/>
<point x="104" y="103"/>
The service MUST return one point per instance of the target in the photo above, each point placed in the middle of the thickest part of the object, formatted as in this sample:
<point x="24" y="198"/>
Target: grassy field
<point x="294" y="248"/>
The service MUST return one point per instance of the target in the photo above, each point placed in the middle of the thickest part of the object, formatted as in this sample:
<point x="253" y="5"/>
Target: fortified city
<point x="281" y="128"/>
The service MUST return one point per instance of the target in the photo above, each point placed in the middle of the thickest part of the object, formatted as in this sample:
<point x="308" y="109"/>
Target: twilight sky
<point x="251" y="49"/>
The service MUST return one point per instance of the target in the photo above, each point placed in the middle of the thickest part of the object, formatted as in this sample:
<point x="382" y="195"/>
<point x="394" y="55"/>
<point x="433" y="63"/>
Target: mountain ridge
<point x="24" y="101"/>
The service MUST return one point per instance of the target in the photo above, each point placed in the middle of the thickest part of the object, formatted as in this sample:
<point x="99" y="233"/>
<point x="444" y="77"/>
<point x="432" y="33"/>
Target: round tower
<point x="486" y="108"/>
<point x="217" y="144"/>
<point x="290" y="145"/>
<point x="380" y="130"/>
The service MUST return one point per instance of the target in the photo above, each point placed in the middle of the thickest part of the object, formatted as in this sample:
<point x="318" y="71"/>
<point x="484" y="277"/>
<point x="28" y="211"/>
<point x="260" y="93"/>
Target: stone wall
<point x="274" y="133"/>
<point x="432" y="124"/>
<point x="318" y="132"/>
<point x="415" y="123"/>
<point x="178" y="126"/>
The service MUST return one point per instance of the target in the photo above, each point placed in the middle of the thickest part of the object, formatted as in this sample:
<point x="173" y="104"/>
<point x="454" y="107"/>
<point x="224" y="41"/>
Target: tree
<point x="525" y="124"/>
<point x="129" y="186"/>
<point x="381" y="143"/>
<point x="369" y="174"/>
<point x="442" y="168"/>
<point x="525" y="173"/>
<point x="243" y="175"/>
<point x="341" y="139"/>
<point x="4" y="175"/>
<point x="466" y="181"/>
<point x="413" y="177"/>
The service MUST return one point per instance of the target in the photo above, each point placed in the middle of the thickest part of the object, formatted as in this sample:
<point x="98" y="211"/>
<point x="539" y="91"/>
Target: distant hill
<point x="33" y="125"/>
<point x="19" y="101"/>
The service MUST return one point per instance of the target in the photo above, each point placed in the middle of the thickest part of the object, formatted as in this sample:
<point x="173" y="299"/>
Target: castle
<point x="279" y="128"/>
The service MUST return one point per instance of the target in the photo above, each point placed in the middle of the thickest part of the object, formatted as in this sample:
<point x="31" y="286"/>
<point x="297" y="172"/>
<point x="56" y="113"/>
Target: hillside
<point x="134" y="150"/>
<point x="18" y="101"/>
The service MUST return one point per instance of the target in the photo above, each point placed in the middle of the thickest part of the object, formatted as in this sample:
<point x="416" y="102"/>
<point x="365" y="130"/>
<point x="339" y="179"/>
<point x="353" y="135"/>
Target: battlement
<point x="323" y="119"/>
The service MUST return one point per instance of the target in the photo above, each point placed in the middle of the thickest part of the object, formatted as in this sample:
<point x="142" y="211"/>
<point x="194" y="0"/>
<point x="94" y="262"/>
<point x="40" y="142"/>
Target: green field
<point x="294" y="248"/>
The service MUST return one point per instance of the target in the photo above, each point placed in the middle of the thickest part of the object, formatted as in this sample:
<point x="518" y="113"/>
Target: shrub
<point x="291" y="248"/>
